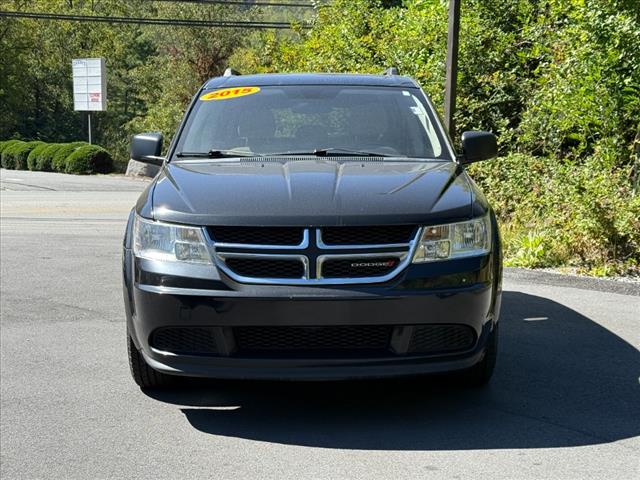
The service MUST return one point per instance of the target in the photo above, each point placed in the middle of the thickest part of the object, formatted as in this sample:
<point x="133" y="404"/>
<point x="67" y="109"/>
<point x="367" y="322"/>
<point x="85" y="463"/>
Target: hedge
<point x="21" y="153"/>
<point x="59" y="162"/>
<point x="35" y="154"/>
<point x="15" y="154"/>
<point x="7" y="159"/>
<point x="6" y="144"/>
<point x="45" y="159"/>
<point x="89" y="159"/>
<point x="76" y="157"/>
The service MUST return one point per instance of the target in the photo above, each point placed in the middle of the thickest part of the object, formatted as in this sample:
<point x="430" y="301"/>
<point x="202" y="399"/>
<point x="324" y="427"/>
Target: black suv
<point x="311" y="226"/>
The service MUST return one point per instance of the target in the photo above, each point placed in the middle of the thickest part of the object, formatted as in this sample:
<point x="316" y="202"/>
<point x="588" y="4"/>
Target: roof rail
<point x="391" y="71"/>
<point x="230" y="72"/>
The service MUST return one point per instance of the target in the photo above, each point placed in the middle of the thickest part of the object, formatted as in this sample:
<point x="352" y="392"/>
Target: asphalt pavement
<point x="564" y="401"/>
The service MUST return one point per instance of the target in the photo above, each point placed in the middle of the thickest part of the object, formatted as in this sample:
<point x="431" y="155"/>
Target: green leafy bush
<point x="89" y="159"/>
<point x="34" y="155"/>
<point x="556" y="213"/>
<point x="10" y="154"/>
<point x="8" y="158"/>
<point x="45" y="159"/>
<point x="6" y="144"/>
<point x="59" y="162"/>
<point x="21" y="153"/>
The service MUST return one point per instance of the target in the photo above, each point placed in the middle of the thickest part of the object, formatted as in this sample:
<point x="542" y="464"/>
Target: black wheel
<point x="480" y="374"/>
<point x="142" y="373"/>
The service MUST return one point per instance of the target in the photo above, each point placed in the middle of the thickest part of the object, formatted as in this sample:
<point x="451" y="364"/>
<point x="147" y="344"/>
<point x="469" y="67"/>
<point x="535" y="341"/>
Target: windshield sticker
<point x="227" y="93"/>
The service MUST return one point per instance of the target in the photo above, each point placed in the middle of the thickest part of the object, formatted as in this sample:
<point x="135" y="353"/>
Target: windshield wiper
<point x="216" y="154"/>
<point x="323" y="152"/>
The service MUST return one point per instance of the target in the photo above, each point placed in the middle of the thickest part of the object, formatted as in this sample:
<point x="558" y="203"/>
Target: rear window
<point x="277" y="119"/>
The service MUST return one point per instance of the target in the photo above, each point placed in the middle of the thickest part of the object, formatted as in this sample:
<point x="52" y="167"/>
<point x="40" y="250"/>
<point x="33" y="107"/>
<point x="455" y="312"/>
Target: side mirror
<point x="477" y="146"/>
<point x="147" y="148"/>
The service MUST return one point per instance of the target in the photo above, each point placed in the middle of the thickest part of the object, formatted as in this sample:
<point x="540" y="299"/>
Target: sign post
<point x="451" y="83"/>
<point x="89" y="87"/>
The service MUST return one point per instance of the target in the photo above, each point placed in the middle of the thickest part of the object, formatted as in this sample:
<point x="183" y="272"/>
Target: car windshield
<point x="310" y="119"/>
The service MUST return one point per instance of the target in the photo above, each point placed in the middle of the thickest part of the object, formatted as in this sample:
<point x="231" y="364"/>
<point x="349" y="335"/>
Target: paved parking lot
<point x="564" y="402"/>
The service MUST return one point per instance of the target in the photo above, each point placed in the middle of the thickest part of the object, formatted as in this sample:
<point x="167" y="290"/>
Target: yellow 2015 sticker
<point x="227" y="93"/>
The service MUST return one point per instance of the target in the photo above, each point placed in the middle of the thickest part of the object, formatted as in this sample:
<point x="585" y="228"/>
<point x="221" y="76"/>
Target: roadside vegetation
<point x="557" y="80"/>
<point x="78" y="157"/>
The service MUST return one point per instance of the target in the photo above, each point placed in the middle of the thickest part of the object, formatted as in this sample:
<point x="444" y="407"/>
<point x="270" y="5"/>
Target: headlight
<point x="454" y="240"/>
<point x="162" y="241"/>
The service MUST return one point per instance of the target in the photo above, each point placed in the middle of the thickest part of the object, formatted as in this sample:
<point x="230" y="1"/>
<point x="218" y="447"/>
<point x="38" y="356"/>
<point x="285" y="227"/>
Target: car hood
<point x="311" y="192"/>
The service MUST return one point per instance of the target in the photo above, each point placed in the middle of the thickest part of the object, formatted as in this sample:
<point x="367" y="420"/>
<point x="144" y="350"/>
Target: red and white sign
<point x="89" y="84"/>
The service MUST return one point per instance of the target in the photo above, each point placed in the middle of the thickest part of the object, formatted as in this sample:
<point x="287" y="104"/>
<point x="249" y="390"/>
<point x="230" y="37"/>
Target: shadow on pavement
<point x="561" y="380"/>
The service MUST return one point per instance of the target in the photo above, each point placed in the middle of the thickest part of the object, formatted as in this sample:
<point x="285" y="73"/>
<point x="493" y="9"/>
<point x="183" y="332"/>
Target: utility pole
<point x="451" y="83"/>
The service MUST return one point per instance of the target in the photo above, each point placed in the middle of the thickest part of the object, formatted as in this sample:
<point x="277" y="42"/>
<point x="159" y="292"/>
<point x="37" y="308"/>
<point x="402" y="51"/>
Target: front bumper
<point x="458" y="292"/>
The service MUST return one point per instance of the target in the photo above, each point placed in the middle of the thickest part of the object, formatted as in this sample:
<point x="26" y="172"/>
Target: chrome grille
<point x="301" y="256"/>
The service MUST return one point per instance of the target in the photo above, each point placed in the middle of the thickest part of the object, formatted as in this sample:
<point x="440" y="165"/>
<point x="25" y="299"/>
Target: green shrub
<point x="6" y="144"/>
<point x="21" y="153"/>
<point x="59" y="162"/>
<point x="555" y="213"/>
<point x="35" y="154"/>
<point x="531" y="252"/>
<point x="89" y="159"/>
<point x="8" y="159"/>
<point x="44" y="160"/>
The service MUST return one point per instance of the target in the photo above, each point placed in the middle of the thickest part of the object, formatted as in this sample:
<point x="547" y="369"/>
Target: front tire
<point x="142" y="373"/>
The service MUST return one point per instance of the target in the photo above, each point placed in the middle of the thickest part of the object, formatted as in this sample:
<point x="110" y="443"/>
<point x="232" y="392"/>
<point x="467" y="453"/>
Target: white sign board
<point x="89" y="84"/>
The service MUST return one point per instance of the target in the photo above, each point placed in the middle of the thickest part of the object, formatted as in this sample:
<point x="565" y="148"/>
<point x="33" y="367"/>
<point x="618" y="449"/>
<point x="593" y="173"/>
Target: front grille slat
<point x="376" y="235"/>
<point x="266" y="267"/>
<point x="284" y="236"/>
